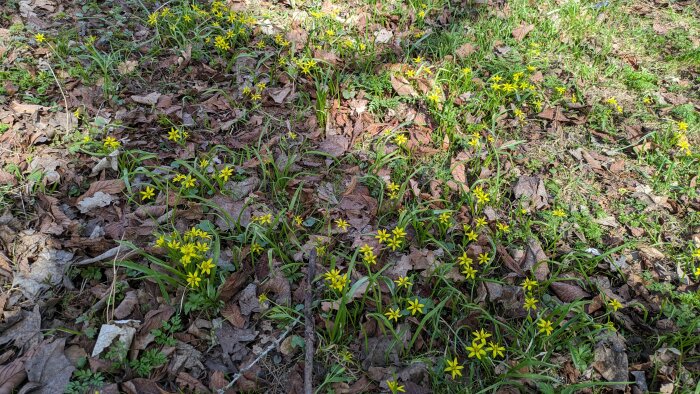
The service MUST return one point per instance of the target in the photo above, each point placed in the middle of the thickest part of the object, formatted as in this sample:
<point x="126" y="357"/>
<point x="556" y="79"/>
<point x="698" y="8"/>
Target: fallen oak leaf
<point x="11" y="375"/>
<point x="402" y="86"/>
<point x="50" y="367"/>
<point x="521" y="31"/>
<point x="568" y="292"/>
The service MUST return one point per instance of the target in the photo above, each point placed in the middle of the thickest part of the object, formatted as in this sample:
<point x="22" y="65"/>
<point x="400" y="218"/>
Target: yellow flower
<point x="153" y="18"/>
<point x="530" y="303"/>
<point x="382" y="236"/>
<point x="482" y="197"/>
<point x="160" y="242"/>
<point x="366" y="249"/>
<point x="480" y="222"/>
<point x="495" y="349"/>
<point x="40" y="38"/>
<point x="221" y="43"/>
<point x="444" y="218"/>
<point x="148" y="193"/>
<point x="394" y="387"/>
<point x="111" y="143"/>
<point x="298" y="220"/>
<point x="393" y="314"/>
<point x="263" y="219"/>
<point x="476" y="350"/>
<point x="403" y="281"/>
<point x="434" y="97"/>
<point x="614" y="304"/>
<point x="528" y="285"/>
<point x="193" y="279"/>
<point x="496" y="78"/>
<point x="418" y="59"/>
<point x="255" y="248"/>
<point x="332" y="275"/>
<point x="502" y="227"/>
<point x="174" y="134"/>
<point x="262" y="298"/>
<point x="483" y="258"/>
<point x="206" y="266"/>
<point x="696" y="253"/>
<point x="410" y="73"/>
<point x="415" y="306"/>
<point x="189" y="181"/>
<point x="559" y="213"/>
<point x="697" y="272"/>
<point x="342" y="224"/>
<point x="454" y="368"/>
<point x="471" y="235"/>
<point x="469" y="272"/>
<point x="400" y="139"/>
<point x="682" y="126"/>
<point x="225" y="173"/>
<point x="399" y="232"/>
<point x="86" y="139"/>
<point x="480" y="336"/>
<point x="545" y="326"/>
<point x="201" y="247"/>
<point x="173" y="244"/>
<point x="561" y="90"/>
<point x="464" y="260"/>
<point x="394" y="243"/>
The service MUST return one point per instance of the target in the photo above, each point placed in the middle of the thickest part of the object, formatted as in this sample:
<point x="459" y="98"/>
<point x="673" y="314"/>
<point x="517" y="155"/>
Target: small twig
<point x="65" y="100"/>
<point x="309" y="325"/>
<point x="273" y="345"/>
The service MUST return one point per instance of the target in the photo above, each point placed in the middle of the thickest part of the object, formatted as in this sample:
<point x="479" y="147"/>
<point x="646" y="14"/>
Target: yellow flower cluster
<point x="612" y="101"/>
<point x="479" y="348"/>
<point x="190" y="251"/>
<point x="393" y="190"/>
<point x="306" y="65"/>
<point x="335" y="280"/>
<point x="177" y="135"/>
<point x="111" y="143"/>
<point x="186" y="181"/>
<point x="481" y="196"/>
<point x="393" y="241"/>
<point x="263" y="219"/>
<point x="530" y="300"/>
<point x="368" y="256"/>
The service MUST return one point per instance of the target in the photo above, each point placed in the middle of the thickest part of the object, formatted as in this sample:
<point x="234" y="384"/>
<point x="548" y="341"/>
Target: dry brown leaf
<point x="465" y="50"/>
<point x="11" y="375"/>
<point x="49" y="367"/>
<point x="149" y="99"/>
<point x="521" y="31"/>
<point x="568" y="292"/>
<point x="402" y="86"/>
<point x="531" y="188"/>
<point x="110" y="186"/>
<point x="535" y="260"/>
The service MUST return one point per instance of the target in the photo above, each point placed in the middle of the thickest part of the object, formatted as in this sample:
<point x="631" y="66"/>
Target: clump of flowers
<point x="177" y="135"/>
<point x="110" y="143"/>
<point x="393" y="241"/>
<point x="612" y="102"/>
<point x="393" y="190"/>
<point x="481" y="196"/>
<point x="189" y="254"/>
<point x="335" y="280"/>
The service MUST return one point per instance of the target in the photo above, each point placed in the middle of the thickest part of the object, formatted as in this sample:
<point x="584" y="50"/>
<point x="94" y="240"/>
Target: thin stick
<point x="273" y="345"/>
<point x="309" y="325"/>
